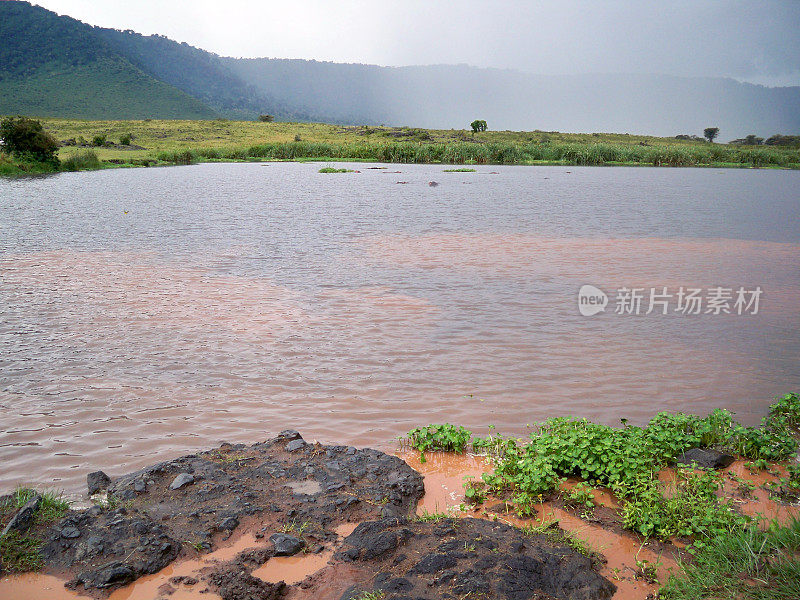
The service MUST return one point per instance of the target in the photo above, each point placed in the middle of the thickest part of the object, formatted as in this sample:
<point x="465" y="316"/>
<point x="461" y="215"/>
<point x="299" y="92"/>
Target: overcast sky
<point x="756" y="41"/>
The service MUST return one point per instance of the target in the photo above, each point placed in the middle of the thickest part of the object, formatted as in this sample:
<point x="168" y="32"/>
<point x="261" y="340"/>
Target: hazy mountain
<point x="57" y="66"/>
<point x="51" y="65"/>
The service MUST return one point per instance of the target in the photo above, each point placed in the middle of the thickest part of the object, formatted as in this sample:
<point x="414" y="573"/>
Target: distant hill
<point x="445" y="96"/>
<point x="56" y="66"/>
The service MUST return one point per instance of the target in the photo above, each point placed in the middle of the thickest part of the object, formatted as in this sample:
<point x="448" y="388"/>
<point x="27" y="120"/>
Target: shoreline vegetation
<point x="734" y="554"/>
<point x="669" y="481"/>
<point x="92" y="145"/>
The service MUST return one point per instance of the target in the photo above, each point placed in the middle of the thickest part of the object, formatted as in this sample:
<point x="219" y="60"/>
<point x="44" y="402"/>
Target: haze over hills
<point x="53" y="65"/>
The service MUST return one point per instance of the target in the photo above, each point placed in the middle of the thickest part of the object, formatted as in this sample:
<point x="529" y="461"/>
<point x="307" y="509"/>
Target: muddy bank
<point x="285" y="518"/>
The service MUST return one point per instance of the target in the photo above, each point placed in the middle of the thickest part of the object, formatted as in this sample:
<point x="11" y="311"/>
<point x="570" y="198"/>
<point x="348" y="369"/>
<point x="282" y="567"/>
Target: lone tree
<point x="26" y="137"/>
<point x="266" y="118"/>
<point x="710" y="133"/>
<point x="478" y="125"/>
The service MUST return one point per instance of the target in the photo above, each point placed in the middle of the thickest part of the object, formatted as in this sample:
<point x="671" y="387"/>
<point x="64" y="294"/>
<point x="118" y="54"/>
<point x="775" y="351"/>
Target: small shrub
<point x="125" y="139"/>
<point x="81" y="160"/>
<point x="99" y="140"/>
<point x="266" y="118"/>
<point x="26" y="137"/>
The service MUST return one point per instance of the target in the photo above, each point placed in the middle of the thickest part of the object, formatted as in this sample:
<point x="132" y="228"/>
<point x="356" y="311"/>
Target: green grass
<point x="335" y="170"/>
<point x="186" y="142"/>
<point x="431" y="517"/>
<point x="81" y="160"/>
<point x="374" y="595"/>
<point x="462" y="170"/>
<point x="751" y="564"/>
<point x="20" y="551"/>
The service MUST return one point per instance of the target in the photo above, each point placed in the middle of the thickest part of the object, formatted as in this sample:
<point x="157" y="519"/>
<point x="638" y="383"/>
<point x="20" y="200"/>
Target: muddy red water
<point x="148" y="313"/>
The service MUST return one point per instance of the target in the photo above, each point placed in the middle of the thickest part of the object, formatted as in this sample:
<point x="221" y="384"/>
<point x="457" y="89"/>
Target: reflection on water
<point x="234" y="301"/>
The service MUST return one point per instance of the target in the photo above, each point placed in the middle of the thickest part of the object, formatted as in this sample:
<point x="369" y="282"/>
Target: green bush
<point x="26" y="137"/>
<point x="99" y="140"/>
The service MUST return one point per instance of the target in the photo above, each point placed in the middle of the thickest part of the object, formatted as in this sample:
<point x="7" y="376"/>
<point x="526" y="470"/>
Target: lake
<point x="145" y="313"/>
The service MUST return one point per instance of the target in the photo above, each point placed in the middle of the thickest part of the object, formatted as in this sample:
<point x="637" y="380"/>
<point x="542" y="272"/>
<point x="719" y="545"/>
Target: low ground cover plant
<point x="627" y="460"/>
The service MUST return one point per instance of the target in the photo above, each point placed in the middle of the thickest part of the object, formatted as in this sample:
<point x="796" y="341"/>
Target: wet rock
<point x="286" y="545"/>
<point x="229" y="524"/>
<point x="295" y="445"/>
<point x="119" y="546"/>
<point x="116" y="574"/>
<point x="380" y="544"/>
<point x="432" y="183"/>
<point x="181" y="481"/>
<point x="705" y="458"/>
<point x="24" y="516"/>
<point x="320" y="485"/>
<point x="96" y="482"/>
<point x="70" y="532"/>
<point x="465" y="558"/>
<point x="240" y="585"/>
<point x="433" y="563"/>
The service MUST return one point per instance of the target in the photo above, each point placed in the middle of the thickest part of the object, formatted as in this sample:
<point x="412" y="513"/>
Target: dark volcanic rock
<point x="24" y="516"/>
<point x="240" y="585"/>
<point x="109" y="549"/>
<point x="180" y="481"/>
<point x="295" y="445"/>
<point x="324" y="485"/>
<point x="201" y="498"/>
<point x="705" y="458"/>
<point x="286" y="545"/>
<point x="465" y="558"/>
<point x="97" y="481"/>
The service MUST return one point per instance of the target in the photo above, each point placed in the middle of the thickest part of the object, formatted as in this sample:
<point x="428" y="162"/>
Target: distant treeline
<point x="498" y="153"/>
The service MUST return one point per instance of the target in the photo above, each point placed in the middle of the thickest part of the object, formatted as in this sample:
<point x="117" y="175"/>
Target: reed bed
<point x="498" y="153"/>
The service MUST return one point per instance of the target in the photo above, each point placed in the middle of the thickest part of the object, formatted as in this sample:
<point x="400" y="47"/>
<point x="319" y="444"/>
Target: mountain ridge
<point x="108" y="73"/>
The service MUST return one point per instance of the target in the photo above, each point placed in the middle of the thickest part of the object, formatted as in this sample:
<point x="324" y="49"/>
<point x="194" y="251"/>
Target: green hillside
<point x="57" y="66"/>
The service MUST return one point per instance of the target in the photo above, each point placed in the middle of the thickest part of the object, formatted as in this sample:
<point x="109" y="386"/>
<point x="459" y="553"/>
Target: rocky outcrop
<point x="203" y="498"/>
<point x="466" y="558"/>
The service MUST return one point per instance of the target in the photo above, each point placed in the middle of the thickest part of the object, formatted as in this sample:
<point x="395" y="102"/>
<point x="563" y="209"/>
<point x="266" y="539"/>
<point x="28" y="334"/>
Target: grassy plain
<point x="156" y="142"/>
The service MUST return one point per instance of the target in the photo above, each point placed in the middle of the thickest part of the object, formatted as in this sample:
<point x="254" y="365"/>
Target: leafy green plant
<point x="580" y="496"/>
<point x="628" y="461"/>
<point x="445" y="437"/>
<point x="474" y="491"/>
<point x="334" y="170"/>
